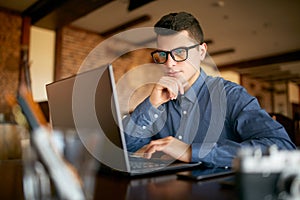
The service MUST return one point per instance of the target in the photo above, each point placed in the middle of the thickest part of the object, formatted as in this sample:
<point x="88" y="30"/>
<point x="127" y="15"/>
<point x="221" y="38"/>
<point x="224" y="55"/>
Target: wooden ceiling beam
<point x="284" y="77"/>
<point x="42" y="8"/>
<point x="54" y="14"/>
<point x="267" y="74"/>
<point x="122" y="27"/>
<point x="267" y="60"/>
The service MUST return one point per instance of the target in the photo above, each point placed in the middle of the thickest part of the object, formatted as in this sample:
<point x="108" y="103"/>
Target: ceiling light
<point x="219" y="4"/>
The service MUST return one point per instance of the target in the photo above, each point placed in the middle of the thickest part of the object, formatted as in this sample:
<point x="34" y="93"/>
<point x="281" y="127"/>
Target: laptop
<point x="87" y="104"/>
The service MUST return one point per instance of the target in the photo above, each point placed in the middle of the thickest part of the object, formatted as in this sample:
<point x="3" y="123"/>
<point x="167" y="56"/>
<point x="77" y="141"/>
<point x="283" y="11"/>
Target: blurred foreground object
<point x="64" y="177"/>
<point x="273" y="176"/>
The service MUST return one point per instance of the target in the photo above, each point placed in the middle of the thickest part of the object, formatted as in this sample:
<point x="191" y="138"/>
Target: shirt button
<point x="184" y="112"/>
<point x="155" y="115"/>
<point x="180" y="137"/>
<point x="144" y="127"/>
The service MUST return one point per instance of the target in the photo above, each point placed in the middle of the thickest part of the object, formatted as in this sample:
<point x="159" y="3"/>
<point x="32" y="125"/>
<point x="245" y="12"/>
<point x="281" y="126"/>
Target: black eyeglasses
<point x="179" y="54"/>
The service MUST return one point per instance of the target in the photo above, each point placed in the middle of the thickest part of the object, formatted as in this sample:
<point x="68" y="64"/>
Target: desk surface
<point x="162" y="187"/>
<point x="117" y="187"/>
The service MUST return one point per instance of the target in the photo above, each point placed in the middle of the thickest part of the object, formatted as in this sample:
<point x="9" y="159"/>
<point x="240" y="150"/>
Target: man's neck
<point x="192" y="80"/>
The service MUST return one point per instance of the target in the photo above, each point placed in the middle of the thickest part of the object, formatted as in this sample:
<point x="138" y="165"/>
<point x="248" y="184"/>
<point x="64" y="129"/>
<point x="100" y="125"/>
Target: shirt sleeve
<point x="249" y="123"/>
<point x="141" y="125"/>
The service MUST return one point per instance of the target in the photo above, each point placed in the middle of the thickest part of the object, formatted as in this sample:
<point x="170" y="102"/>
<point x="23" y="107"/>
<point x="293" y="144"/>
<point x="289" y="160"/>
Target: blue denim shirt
<point x="216" y="117"/>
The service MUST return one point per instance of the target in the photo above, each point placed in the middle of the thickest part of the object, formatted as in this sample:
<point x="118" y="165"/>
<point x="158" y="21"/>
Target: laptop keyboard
<point x="142" y="165"/>
<point x="147" y="164"/>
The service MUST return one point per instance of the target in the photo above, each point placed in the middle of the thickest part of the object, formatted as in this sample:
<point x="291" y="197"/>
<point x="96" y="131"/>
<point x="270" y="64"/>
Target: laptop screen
<point x="88" y="104"/>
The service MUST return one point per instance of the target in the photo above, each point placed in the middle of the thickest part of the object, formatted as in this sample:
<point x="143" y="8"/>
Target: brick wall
<point x="10" y="34"/>
<point x="78" y="49"/>
<point x="72" y="47"/>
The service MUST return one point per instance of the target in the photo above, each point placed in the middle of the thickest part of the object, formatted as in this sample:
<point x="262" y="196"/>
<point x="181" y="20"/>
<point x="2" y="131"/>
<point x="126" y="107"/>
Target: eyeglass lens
<point x="179" y="54"/>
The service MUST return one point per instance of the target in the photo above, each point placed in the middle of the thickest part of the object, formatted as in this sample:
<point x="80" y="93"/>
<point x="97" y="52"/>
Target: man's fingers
<point x="173" y="86"/>
<point x="155" y="145"/>
<point x="171" y="146"/>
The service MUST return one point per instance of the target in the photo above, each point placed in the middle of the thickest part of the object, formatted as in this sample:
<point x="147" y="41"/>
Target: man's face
<point x="189" y="68"/>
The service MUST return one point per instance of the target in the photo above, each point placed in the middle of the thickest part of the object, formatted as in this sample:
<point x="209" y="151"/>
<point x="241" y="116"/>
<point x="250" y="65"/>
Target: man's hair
<point x="175" y="22"/>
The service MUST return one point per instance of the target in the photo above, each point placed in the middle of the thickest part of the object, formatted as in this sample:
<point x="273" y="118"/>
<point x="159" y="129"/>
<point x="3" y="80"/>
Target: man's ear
<point x="203" y="50"/>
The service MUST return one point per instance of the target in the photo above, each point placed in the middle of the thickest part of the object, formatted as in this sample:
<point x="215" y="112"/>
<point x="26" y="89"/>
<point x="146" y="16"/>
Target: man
<point x="193" y="117"/>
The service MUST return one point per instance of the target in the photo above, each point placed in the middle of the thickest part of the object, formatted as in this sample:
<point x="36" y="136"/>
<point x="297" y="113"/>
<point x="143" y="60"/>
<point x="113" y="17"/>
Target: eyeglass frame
<point x="170" y="52"/>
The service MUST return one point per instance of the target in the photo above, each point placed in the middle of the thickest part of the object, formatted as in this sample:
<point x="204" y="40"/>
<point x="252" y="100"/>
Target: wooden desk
<point x="161" y="187"/>
<point x="117" y="187"/>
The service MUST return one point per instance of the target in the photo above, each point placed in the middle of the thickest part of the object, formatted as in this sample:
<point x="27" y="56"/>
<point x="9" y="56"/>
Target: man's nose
<point x="170" y="61"/>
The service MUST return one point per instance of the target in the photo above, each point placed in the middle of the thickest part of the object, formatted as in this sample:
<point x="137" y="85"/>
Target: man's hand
<point x="166" y="89"/>
<point x="170" y="146"/>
